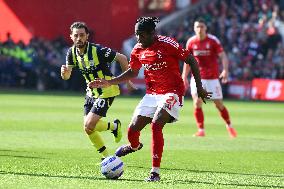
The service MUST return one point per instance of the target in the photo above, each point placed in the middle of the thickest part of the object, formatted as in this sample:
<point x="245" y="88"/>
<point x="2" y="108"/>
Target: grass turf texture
<point x="42" y="145"/>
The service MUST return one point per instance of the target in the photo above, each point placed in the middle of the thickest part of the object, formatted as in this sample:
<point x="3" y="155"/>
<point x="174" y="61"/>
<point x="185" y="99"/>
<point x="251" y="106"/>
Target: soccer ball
<point x="112" y="167"/>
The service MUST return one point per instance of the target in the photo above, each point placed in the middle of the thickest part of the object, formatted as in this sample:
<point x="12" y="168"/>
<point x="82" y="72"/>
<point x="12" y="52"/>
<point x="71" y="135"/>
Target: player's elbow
<point x="121" y="58"/>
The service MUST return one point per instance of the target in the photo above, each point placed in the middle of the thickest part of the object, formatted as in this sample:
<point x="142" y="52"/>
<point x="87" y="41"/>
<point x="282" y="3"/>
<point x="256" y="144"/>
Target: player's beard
<point x="81" y="44"/>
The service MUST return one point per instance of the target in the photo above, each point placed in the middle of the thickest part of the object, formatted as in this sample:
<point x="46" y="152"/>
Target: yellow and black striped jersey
<point x="94" y="63"/>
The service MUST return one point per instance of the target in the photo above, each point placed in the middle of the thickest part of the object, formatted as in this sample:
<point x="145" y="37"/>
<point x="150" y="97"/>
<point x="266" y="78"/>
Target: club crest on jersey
<point x="194" y="47"/>
<point x="143" y="56"/>
<point x="91" y="62"/>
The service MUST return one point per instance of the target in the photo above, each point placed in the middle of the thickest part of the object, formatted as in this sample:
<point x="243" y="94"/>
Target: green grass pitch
<point x="42" y="145"/>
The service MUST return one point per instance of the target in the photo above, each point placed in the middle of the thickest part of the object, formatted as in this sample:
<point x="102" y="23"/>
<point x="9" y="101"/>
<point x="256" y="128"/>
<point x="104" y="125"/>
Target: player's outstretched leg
<point x="127" y="149"/>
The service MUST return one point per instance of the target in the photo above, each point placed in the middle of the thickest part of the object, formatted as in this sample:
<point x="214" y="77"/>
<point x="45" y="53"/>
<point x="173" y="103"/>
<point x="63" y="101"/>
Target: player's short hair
<point x="201" y="20"/>
<point x="147" y="24"/>
<point x="79" y="25"/>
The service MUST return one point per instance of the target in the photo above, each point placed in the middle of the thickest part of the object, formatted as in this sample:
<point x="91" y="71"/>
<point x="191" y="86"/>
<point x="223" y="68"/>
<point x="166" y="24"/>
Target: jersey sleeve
<point x="69" y="58"/>
<point x="217" y="45"/>
<point x="134" y="62"/>
<point x="177" y="49"/>
<point x="106" y="54"/>
<point x="188" y="46"/>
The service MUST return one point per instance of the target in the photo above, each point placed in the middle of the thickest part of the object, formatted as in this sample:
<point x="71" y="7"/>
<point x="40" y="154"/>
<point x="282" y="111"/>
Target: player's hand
<point x="203" y="94"/>
<point x="186" y="83"/>
<point x="99" y="83"/>
<point x="65" y="72"/>
<point x="224" y="76"/>
<point x="131" y="86"/>
<point x="64" y="69"/>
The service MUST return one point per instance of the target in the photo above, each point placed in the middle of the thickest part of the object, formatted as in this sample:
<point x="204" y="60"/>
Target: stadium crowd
<point x="250" y="31"/>
<point x="35" y="65"/>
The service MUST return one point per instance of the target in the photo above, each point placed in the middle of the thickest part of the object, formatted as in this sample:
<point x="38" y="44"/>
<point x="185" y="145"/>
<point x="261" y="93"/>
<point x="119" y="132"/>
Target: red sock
<point x="157" y="144"/>
<point x="225" y="115"/>
<point x="199" y="117"/>
<point x="133" y="137"/>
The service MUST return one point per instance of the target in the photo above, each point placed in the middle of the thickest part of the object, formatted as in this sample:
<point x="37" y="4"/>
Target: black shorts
<point x="97" y="106"/>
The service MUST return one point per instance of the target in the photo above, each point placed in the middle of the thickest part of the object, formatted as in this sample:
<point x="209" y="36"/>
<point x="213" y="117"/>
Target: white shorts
<point x="151" y="103"/>
<point x="210" y="85"/>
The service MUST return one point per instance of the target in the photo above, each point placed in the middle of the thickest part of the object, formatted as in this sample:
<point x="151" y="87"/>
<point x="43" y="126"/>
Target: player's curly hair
<point x="147" y="24"/>
<point x="79" y="25"/>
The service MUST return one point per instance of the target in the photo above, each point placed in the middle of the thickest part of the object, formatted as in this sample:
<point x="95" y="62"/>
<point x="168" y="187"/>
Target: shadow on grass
<point x="63" y="176"/>
<point x="5" y="150"/>
<point x="17" y="156"/>
<point x="136" y="180"/>
<point x="20" y="151"/>
<point x="30" y="157"/>
<point x="218" y="172"/>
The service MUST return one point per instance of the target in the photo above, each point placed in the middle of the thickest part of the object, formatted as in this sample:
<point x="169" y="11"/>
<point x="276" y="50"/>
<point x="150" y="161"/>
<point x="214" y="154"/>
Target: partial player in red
<point x="206" y="49"/>
<point x="159" y="56"/>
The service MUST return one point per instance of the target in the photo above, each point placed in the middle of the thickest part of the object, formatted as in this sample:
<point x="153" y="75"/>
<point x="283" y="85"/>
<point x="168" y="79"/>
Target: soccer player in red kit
<point x="159" y="55"/>
<point x="206" y="49"/>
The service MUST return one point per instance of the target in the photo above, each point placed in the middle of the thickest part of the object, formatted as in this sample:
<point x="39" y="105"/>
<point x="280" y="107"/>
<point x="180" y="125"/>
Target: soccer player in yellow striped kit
<point x="93" y="60"/>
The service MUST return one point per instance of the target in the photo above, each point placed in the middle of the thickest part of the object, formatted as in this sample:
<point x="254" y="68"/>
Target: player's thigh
<point x="144" y="112"/>
<point x="138" y="122"/>
<point x="94" y="109"/>
<point x="98" y="106"/>
<point x="168" y="108"/>
<point x="214" y="86"/>
<point x="146" y="107"/>
<point x="219" y="103"/>
<point x="91" y="120"/>
<point x="162" y="117"/>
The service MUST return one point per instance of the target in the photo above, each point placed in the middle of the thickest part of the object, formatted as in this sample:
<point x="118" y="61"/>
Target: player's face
<point x="79" y="37"/>
<point x="200" y="29"/>
<point x="145" y="38"/>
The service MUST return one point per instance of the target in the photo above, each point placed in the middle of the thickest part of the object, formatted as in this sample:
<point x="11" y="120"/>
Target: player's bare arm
<point x="66" y="72"/>
<point x="185" y="72"/>
<point x="122" y="60"/>
<point x="225" y="72"/>
<point x="125" y="76"/>
<point x="202" y="93"/>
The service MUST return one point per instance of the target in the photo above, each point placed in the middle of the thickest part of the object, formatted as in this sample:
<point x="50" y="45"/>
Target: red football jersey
<point x="161" y="65"/>
<point x="206" y="53"/>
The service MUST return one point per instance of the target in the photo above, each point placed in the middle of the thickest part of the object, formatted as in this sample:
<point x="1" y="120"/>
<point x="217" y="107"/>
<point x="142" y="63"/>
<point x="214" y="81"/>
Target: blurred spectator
<point x="249" y="31"/>
<point x="35" y="65"/>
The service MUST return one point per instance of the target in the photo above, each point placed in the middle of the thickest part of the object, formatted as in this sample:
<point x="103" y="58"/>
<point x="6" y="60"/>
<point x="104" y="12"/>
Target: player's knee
<point x="219" y="106"/>
<point x="88" y="127"/>
<point x="198" y="104"/>
<point x="156" y="127"/>
<point x="88" y="130"/>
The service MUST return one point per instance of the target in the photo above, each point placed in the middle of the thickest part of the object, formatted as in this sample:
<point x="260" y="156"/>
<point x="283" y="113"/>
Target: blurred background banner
<point x="266" y="89"/>
<point x="34" y="38"/>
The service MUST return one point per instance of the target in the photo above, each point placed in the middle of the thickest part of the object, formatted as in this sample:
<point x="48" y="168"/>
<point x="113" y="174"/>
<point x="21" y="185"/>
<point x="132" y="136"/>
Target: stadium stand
<point x="251" y="31"/>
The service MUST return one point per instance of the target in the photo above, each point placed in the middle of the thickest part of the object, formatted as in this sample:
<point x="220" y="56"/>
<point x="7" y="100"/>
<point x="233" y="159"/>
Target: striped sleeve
<point x="175" y="48"/>
<point x="69" y="58"/>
